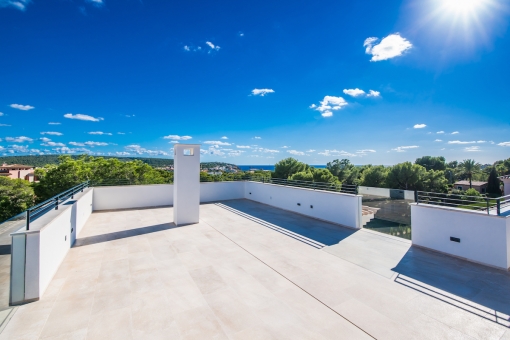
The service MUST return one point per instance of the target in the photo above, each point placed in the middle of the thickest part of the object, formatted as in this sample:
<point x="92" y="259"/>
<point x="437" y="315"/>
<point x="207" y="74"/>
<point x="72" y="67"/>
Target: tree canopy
<point x="432" y="163"/>
<point x="288" y="167"/>
<point x="16" y="195"/>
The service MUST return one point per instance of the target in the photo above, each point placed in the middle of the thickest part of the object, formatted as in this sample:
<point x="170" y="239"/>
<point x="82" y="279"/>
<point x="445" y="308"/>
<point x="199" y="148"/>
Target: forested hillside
<point x="42" y="160"/>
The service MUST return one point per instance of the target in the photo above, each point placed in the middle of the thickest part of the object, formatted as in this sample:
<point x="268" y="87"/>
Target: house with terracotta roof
<point x="14" y="171"/>
<point x="481" y="187"/>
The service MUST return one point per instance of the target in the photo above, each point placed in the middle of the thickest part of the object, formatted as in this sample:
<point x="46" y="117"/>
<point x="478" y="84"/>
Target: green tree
<point x="16" y="196"/>
<point x="468" y="168"/>
<point x="324" y="176"/>
<point x="433" y="180"/>
<point x="374" y="176"/>
<point x="405" y="176"/>
<point x="432" y="163"/>
<point x="288" y="167"/>
<point x="302" y="176"/>
<point x="494" y="184"/>
<point x="55" y="179"/>
<point x="343" y="170"/>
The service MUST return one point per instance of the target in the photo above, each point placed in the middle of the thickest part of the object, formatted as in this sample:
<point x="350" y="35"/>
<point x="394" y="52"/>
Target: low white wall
<point x="47" y="242"/>
<point x="221" y="191"/>
<point x="483" y="238"/>
<point x="333" y="207"/>
<point x="133" y="196"/>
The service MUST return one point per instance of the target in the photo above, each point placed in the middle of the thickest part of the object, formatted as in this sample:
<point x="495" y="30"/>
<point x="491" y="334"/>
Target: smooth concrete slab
<point x="135" y="275"/>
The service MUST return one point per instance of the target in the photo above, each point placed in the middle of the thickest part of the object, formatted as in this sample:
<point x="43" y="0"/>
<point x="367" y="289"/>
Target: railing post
<point x="488" y="209"/>
<point x="499" y="206"/>
<point x="56" y="203"/>
<point x="416" y="197"/>
<point x="28" y="219"/>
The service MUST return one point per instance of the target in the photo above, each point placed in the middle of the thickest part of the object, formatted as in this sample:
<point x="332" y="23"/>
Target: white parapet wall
<point x="40" y="250"/>
<point x="471" y="235"/>
<point x="221" y="191"/>
<point x="133" y="196"/>
<point x="335" y="207"/>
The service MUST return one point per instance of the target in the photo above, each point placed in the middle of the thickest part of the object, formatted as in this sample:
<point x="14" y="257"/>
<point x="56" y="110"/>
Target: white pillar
<point x="186" y="183"/>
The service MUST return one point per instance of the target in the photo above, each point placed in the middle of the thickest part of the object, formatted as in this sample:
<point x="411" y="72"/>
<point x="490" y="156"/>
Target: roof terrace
<point x="253" y="271"/>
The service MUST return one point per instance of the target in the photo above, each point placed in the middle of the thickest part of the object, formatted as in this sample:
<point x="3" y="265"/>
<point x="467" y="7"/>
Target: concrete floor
<point x="250" y="271"/>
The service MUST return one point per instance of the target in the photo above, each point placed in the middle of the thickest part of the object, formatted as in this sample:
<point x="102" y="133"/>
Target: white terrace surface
<point x="236" y="275"/>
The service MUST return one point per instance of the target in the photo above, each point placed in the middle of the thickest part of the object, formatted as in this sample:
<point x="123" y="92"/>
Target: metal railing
<point x="336" y="187"/>
<point x="53" y="203"/>
<point x="478" y="203"/>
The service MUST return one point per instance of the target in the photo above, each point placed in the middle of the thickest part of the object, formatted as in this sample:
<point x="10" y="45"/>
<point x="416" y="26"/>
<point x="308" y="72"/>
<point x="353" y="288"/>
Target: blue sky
<point x="377" y="82"/>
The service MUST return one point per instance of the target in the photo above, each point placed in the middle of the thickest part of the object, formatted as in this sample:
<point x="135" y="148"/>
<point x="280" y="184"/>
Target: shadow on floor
<point x="321" y="233"/>
<point x="85" y="241"/>
<point x="476" y="288"/>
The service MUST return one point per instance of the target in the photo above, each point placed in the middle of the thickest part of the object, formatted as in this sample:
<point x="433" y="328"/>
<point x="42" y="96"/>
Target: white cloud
<point x="22" y="107"/>
<point x="261" y="92"/>
<point x="187" y="48"/>
<point x="336" y="153"/>
<point x="243" y="146"/>
<point x="313" y="106"/>
<point x="373" y="93"/>
<point x="95" y="143"/>
<point x="176" y="137"/>
<point x="455" y="132"/>
<point x="440" y="132"/>
<point x="311" y="150"/>
<point x="466" y="142"/>
<point x="4" y="125"/>
<point x="296" y="153"/>
<point x="54" y="123"/>
<point x="76" y="144"/>
<point x="264" y="150"/>
<point x="120" y="133"/>
<point x="390" y="47"/>
<point x="404" y="148"/>
<point x="53" y="133"/>
<point x="98" y="3"/>
<point x="212" y="46"/>
<point x="174" y="142"/>
<point x="472" y="148"/>
<point x="438" y="140"/>
<point x="20" y="139"/>
<point x="17" y="148"/>
<point x="53" y="144"/>
<point x="257" y="137"/>
<point x="18" y="4"/>
<point x="122" y="153"/>
<point x="99" y="133"/>
<point x="139" y="150"/>
<point x="365" y="151"/>
<point x="1" y="114"/>
<point x="504" y="144"/>
<point x="216" y="142"/>
<point x="45" y="139"/>
<point x="224" y="137"/>
<point x="80" y="116"/>
<point x="285" y="147"/>
<point x="354" y="92"/>
<point x="419" y="126"/>
<point x="330" y="104"/>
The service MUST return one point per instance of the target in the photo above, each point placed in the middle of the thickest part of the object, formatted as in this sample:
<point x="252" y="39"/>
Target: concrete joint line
<point x="286" y="278"/>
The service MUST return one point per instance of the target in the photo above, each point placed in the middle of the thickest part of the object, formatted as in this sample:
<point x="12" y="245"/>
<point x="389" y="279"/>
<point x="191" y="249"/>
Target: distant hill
<point x="42" y="160"/>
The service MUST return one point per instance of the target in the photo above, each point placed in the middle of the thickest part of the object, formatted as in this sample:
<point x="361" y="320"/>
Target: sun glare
<point x="460" y="6"/>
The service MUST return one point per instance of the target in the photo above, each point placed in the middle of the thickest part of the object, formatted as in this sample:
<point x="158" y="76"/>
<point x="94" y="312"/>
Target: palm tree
<point x="468" y="168"/>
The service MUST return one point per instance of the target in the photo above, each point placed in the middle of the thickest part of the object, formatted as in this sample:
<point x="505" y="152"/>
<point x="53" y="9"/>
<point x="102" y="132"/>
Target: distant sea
<point x="269" y="167"/>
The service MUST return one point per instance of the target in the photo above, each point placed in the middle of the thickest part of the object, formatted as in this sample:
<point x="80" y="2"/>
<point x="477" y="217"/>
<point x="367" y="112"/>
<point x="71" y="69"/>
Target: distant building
<point x="15" y="171"/>
<point x="481" y="187"/>
<point x="506" y="182"/>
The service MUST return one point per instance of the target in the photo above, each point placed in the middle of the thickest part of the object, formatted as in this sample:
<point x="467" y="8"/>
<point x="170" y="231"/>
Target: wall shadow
<point x="478" y="289"/>
<point x="292" y="224"/>
<point x="85" y="241"/>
